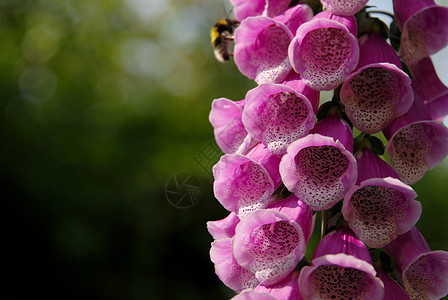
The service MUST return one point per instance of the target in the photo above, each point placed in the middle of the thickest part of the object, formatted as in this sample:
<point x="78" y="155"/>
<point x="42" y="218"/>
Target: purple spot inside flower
<point x="336" y="282"/>
<point x="271" y="246"/>
<point x="284" y="117"/>
<point x="321" y="165"/>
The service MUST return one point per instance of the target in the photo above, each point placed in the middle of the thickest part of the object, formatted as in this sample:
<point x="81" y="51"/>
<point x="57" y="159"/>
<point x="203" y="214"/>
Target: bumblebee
<point x="221" y="35"/>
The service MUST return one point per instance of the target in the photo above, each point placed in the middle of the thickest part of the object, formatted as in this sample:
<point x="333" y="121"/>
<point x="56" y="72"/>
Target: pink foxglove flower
<point x="277" y="115"/>
<point x="318" y="170"/>
<point x="287" y="289"/>
<point x="225" y="117"/>
<point x="416" y="143"/>
<point x="378" y="91"/>
<point x="325" y="50"/>
<point x="392" y="289"/>
<point x="427" y="85"/>
<point x="379" y="207"/>
<point x="228" y="270"/>
<point x="341" y="269"/>
<point x="343" y="7"/>
<point x="269" y="244"/>
<point x="245" y="183"/>
<point x="424" y="27"/>
<point x="424" y="273"/>
<point x="261" y="49"/>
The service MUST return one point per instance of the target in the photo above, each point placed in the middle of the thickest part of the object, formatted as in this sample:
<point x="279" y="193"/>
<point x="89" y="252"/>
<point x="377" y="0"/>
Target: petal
<point x="261" y="49"/>
<point x="287" y="289"/>
<point x="417" y="147"/>
<point x="324" y="53"/>
<point x="373" y="48"/>
<point x="275" y="7"/>
<point x="225" y="117"/>
<point x="380" y="209"/>
<point x="243" y="8"/>
<point x="335" y="127"/>
<point x="344" y="7"/>
<point x="277" y="116"/>
<point x="295" y="16"/>
<point x="425" y="82"/>
<point x="298" y="211"/>
<point x="424" y="34"/>
<point x="427" y="276"/>
<point x="227" y="269"/>
<point x="340" y="276"/>
<point x="224" y="228"/>
<point x="318" y="170"/>
<point x="253" y="295"/>
<point x="392" y="289"/>
<point x="294" y="81"/>
<point x="241" y="185"/>
<point x="407" y="247"/>
<point x="268" y="244"/>
<point x="375" y="95"/>
<point x="438" y="108"/>
<point x="343" y="240"/>
<point x="370" y="165"/>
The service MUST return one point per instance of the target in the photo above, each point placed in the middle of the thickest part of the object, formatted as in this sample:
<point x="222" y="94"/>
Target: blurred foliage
<point x="102" y="102"/>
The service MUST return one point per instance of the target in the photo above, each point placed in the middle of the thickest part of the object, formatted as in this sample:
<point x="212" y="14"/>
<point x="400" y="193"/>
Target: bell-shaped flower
<point x="430" y="88"/>
<point x="380" y="206"/>
<point x="269" y="244"/>
<point x="287" y="289"/>
<point x="341" y="268"/>
<point x="392" y="289"/>
<point x="224" y="228"/>
<point x="424" y="273"/>
<point x="298" y="211"/>
<point x="378" y="91"/>
<point x="424" y="28"/>
<point x="344" y="7"/>
<point x="225" y="117"/>
<point x="245" y="183"/>
<point x="228" y="270"/>
<point x="277" y="115"/>
<point x="324" y="50"/>
<point x="416" y="143"/>
<point x="318" y="169"/>
<point x="261" y="49"/>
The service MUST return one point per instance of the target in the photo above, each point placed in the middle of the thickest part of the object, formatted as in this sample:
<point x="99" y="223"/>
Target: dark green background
<point x="99" y="108"/>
